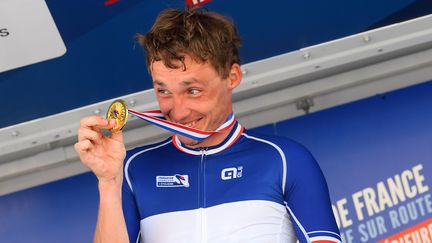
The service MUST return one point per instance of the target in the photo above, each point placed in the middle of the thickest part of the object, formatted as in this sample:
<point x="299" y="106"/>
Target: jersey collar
<point x="234" y="135"/>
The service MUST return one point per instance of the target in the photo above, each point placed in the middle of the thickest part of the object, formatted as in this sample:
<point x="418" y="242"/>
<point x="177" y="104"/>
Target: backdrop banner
<point x="384" y="210"/>
<point x="376" y="155"/>
<point x="28" y="34"/>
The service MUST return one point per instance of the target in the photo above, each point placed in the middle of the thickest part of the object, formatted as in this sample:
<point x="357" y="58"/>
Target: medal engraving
<point x="119" y="112"/>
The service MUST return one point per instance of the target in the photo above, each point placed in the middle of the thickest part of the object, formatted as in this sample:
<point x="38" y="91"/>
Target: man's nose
<point x="179" y="111"/>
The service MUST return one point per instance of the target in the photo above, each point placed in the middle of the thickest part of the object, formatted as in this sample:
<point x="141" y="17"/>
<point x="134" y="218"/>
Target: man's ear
<point x="234" y="76"/>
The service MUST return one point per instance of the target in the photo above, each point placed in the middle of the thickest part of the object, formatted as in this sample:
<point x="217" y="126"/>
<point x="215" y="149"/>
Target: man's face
<point x="196" y="97"/>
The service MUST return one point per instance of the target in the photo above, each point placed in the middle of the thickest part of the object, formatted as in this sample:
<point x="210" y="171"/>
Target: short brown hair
<point x="204" y="35"/>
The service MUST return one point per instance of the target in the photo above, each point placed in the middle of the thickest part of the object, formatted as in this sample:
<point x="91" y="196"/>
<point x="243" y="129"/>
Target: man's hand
<point x="103" y="155"/>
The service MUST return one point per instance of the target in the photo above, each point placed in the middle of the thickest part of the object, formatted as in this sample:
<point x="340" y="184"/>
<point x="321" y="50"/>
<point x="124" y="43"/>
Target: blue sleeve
<point x="307" y="197"/>
<point x="130" y="211"/>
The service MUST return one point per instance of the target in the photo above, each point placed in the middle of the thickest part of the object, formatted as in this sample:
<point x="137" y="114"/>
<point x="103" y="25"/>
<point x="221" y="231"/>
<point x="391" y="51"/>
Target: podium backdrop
<point x="376" y="154"/>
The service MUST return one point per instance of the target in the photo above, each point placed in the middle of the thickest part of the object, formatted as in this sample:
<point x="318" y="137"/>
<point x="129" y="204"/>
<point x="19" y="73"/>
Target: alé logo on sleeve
<point x="232" y="173"/>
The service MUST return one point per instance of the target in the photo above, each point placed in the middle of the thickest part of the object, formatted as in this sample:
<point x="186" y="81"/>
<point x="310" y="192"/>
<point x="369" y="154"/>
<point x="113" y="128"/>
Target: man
<point x="233" y="186"/>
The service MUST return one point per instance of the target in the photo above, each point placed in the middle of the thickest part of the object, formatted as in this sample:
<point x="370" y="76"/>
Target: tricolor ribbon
<point x="156" y="117"/>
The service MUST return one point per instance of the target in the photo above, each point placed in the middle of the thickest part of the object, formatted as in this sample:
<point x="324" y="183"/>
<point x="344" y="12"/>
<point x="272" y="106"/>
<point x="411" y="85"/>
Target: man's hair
<point x="204" y="36"/>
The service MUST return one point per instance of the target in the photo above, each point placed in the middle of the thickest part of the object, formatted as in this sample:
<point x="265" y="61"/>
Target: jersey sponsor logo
<point x="172" y="181"/>
<point x="232" y="173"/>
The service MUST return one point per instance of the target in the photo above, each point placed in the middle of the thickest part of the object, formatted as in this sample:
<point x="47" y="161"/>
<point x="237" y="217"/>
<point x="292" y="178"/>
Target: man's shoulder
<point x="148" y="149"/>
<point x="284" y="143"/>
<point x="292" y="153"/>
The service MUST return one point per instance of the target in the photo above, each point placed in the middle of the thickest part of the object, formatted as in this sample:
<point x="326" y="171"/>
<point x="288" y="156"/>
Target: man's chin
<point x="188" y="141"/>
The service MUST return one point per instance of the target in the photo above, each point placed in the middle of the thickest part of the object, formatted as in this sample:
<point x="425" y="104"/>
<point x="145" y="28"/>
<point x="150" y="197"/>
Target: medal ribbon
<point x="156" y="117"/>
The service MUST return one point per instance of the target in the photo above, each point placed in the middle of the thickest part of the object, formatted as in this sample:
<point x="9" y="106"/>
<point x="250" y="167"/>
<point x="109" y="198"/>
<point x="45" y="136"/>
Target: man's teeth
<point x="190" y="124"/>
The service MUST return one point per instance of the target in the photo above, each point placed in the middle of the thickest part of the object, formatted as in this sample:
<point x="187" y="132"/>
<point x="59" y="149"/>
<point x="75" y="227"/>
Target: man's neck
<point x="213" y="140"/>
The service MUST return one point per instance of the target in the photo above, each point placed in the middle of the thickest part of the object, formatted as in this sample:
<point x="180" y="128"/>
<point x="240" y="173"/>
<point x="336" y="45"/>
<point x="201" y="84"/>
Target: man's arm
<point x="111" y="225"/>
<point x="307" y="198"/>
<point x="104" y="156"/>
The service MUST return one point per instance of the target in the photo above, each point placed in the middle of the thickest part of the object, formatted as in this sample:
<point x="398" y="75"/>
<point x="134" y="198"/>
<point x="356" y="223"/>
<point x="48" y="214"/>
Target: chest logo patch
<point x="176" y="180"/>
<point x="232" y="173"/>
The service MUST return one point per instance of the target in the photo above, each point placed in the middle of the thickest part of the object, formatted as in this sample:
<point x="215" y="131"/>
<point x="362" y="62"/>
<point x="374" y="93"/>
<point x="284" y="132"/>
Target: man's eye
<point x="194" y="91"/>
<point x="163" y="91"/>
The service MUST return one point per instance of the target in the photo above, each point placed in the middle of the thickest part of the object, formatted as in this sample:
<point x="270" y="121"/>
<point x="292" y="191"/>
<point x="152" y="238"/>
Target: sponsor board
<point x="28" y="34"/>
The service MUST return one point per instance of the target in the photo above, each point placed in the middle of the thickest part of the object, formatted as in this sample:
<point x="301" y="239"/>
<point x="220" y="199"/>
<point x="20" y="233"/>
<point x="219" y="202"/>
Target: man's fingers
<point x="118" y="136"/>
<point x="88" y="134"/>
<point x="94" y="121"/>
<point x="83" y="146"/>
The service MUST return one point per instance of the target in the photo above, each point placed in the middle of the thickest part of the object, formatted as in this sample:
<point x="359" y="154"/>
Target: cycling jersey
<point x="249" y="188"/>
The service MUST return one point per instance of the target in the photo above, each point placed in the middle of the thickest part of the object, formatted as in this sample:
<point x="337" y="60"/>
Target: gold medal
<point x="119" y="112"/>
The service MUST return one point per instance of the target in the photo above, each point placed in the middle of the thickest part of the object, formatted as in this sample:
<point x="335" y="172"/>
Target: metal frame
<point x="273" y="89"/>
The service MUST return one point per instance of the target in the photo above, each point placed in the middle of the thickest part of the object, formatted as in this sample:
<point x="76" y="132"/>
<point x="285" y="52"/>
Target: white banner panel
<point x="28" y="34"/>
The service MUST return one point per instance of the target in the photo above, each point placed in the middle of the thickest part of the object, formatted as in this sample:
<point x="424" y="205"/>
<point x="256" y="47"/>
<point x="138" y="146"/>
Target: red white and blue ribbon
<point x="157" y="118"/>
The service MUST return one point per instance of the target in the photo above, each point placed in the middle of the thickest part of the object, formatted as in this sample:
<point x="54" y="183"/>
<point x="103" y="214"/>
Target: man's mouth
<point x="191" y="124"/>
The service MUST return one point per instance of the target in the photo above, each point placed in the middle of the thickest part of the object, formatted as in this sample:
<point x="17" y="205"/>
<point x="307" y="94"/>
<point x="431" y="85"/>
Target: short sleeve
<point x="307" y="197"/>
<point x="130" y="212"/>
